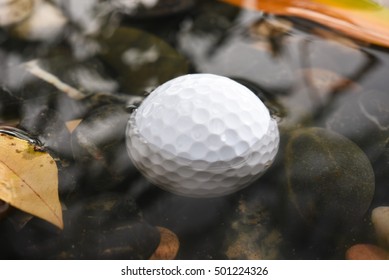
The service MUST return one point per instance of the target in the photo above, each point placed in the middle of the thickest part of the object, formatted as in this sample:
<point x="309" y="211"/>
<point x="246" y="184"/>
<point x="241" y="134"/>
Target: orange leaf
<point x="29" y="179"/>
<point x="360" y="19"/>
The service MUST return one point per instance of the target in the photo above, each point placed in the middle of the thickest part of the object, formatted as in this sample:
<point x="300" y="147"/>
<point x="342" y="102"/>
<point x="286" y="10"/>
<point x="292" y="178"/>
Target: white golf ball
<point x="202" y="135"/>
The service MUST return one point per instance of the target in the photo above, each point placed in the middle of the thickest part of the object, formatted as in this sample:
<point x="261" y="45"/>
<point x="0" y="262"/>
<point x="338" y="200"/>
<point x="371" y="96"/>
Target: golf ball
<point x="202" y="135"/>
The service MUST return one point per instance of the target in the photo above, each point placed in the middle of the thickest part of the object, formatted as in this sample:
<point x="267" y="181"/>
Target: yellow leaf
<point x="29" y="179"/>
<point x="361" y="19"/>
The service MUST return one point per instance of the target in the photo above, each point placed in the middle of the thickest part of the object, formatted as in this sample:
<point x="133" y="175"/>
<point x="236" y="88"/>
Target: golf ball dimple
<point x="202" y="135"/>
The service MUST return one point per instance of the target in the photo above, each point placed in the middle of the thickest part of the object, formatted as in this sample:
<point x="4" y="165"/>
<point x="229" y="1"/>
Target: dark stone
<point x="330" y="186"/>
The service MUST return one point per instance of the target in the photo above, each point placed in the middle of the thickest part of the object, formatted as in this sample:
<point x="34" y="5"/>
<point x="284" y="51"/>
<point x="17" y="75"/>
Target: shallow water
<point x="313" y="203"/>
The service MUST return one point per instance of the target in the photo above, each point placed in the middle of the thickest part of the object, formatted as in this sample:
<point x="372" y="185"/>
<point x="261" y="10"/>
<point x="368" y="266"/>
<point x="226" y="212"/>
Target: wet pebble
<point x="366" y="252"/>
<point x="168" y="246"/>
<point x="380" y="219"/>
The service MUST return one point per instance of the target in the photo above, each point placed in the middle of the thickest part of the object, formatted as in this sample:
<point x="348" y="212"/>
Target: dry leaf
<point x="29" y="179"/>
<point x="361" y="19"/>
<point x="168" y="246"/>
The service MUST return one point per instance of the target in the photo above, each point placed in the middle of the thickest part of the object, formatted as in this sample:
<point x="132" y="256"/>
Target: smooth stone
<point x="328" y="175"/>
<point x="366" y="252"/>
<point x="329" y="187"/>
<point x="380" y="219"/>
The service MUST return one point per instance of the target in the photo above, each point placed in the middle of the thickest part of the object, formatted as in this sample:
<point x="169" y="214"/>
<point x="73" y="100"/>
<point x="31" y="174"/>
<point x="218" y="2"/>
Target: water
<point x="110" y="61"/>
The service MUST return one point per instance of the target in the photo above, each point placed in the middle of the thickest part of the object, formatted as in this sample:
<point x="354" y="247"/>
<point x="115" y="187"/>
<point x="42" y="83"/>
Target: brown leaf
<point x="168" y="246"/>
<point x="29" y="179"/>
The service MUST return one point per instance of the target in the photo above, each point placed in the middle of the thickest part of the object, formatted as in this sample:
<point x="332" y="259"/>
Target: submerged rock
<point x="330" y="185"/>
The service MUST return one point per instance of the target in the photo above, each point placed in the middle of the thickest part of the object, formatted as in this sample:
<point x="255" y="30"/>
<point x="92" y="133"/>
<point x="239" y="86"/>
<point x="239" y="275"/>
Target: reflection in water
<point x="308" y="78"/>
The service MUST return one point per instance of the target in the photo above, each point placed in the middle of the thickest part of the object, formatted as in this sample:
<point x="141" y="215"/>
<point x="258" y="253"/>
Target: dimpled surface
<point x="202" y="135"/>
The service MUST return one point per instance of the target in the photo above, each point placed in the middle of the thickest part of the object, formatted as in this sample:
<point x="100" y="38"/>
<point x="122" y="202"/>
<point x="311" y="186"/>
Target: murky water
<point x="72" y="90"/>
